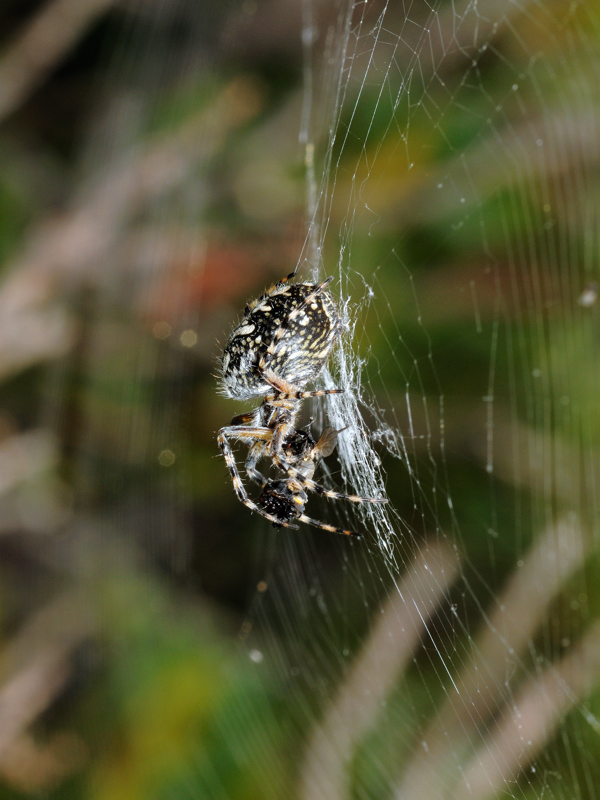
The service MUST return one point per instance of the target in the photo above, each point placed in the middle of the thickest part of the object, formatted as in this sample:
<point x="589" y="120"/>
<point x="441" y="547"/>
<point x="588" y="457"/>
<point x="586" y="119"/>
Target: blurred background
<point x="161" y="162"/>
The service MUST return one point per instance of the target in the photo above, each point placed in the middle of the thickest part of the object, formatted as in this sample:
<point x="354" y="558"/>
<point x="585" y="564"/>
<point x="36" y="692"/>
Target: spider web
<point x="470" y="127"/>
<point x="450" y="158"/>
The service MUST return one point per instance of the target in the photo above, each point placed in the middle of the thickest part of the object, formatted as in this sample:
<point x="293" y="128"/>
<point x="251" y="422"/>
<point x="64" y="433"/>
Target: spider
<point x="282" y="343"/>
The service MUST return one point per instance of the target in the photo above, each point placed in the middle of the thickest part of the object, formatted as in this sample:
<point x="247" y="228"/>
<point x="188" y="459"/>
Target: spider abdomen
<point x="290" y="336"/>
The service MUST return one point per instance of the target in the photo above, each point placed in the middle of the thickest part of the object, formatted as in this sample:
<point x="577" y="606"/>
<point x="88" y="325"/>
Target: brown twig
<point x="532" y="718"/>
<point x="30" y="691"/>
<point x="25" y="455"/>
<point x="392" y="642"/>
<point x="48" y="37"/>
<point x="33" y="767"/>
<point x="481" y="688"/>
<point x="73" y="248"/>
<point x="36" y="664"/>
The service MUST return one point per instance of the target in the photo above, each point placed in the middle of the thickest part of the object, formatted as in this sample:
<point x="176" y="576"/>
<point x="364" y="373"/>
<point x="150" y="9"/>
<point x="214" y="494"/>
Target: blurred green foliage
<point x="464" y="247"/>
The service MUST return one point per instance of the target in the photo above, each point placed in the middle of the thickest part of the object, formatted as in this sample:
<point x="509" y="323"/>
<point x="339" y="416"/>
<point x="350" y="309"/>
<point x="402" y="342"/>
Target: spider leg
<point x="255" y="453"/>
<point x="282" y="430"/>
<point x="312" y="486"/>
<point x="242" y="494"/>
<point x="332" y="529"/>
<point x="289" y="277"/>
<point x="279" y="435"/>
<point x="271" y="398"/>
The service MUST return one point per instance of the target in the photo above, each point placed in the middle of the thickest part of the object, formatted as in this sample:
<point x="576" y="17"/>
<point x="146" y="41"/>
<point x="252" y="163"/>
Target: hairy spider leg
<point x="283" y="429"/>
<point x="282" y="281"/>
<point x="255" y="453"/>
<point x="242" y="495"/>
<point x="312" y="486"/>
<point x="279" y="435"/>
<point x="321" y="490"/>
<point x="324" y="526"/>
<point x="289" y="277"/>
<point x="270" y="398"/>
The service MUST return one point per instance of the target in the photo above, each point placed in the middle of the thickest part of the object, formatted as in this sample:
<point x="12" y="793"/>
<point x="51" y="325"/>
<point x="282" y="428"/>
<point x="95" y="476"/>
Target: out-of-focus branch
<point x="44" y="42"/>
<point x="390" y="645"/>
<point x="36" y="664"/>
<point x="30" y="691"/>
<point x="24" y="456"/>
<point x="72" y="248"/>
<point x="34" y="767"/>
<point x="37" y="335"/>
<point x="533" y="717"/>
<point x="481" y="687"/>
<point x="32" y="497"/>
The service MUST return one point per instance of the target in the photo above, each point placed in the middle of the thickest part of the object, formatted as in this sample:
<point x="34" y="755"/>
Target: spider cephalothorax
<point x="282" y="343"/>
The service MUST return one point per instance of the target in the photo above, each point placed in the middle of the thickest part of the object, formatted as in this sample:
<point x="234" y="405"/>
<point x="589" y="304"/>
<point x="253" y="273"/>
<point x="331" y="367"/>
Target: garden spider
<point x="282" y="344"/>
